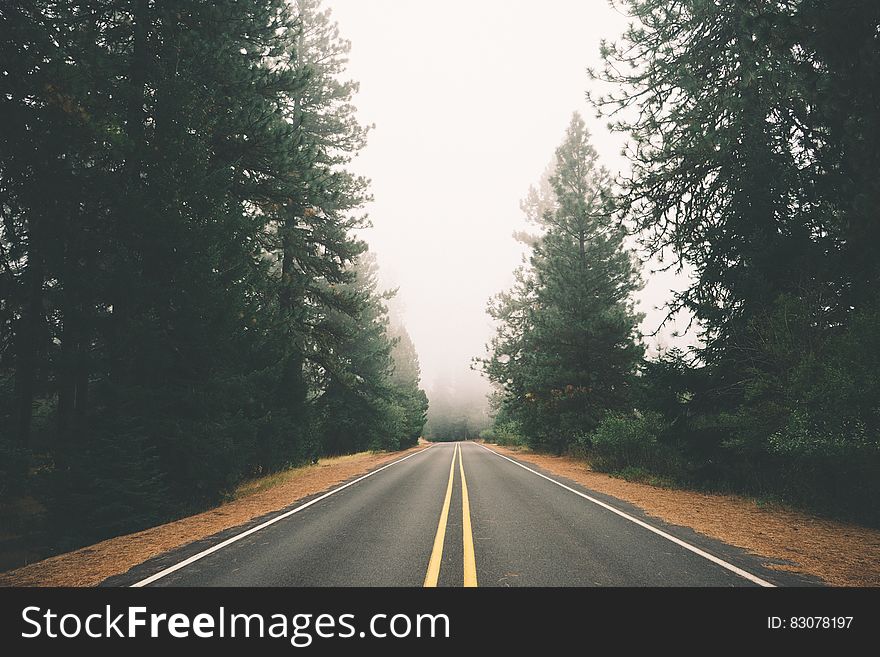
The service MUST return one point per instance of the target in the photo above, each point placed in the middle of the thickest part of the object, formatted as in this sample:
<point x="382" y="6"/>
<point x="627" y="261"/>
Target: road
<point x="458" y="514"/>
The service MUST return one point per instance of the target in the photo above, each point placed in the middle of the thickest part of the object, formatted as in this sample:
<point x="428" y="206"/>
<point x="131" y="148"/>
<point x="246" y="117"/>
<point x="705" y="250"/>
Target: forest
<point x="188" y="300"/>
<point x="184" y="299"/>
<point x="753" y="136"/>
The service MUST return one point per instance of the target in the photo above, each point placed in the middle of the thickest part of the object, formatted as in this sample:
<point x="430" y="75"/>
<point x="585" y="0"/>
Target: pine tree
<point x="754" y="149"/>
<point x="406" y="381"/>
<point x="356" y="402"/>
<point x="566" y="349"/>
<point x="313" y="223"/>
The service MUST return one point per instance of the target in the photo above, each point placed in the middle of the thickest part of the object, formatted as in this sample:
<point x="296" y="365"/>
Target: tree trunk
<point x="130" y="219"/>
<point x="135" y="127"/>
<point x="73" y="375"/>
<point x="582" y="248"/>
<point x="28" y="341"/>
<point x="66" y="381"/>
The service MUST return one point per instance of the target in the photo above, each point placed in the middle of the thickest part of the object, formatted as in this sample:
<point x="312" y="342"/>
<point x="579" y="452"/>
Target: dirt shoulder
<point x="838" y="553"/>
<point x="91" y="565"/>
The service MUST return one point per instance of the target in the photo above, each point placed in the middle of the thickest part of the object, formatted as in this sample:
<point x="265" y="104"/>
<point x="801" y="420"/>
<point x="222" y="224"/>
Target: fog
<point x="470" y="99"/>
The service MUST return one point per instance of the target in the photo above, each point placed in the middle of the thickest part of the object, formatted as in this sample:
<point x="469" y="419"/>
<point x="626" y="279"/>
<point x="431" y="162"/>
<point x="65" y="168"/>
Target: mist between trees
<point x="459" y="409"/>
<point x="754" y="140"/>
<point x="184" y="304"/>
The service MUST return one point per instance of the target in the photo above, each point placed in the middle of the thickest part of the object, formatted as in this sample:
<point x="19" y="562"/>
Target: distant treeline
<point x="459" y="411"/>
<point x="755" y="148"/>
<point x="182" y="301"/>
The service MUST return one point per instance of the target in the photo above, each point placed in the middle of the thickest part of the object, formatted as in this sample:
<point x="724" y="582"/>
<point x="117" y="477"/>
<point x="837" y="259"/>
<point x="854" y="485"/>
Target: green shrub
<point x="504" y="433"/>
<point x="626" y="441"/>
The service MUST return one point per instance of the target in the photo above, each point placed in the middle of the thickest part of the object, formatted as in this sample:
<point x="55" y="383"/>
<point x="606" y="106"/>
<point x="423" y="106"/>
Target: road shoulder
<point x="795" y="542"/>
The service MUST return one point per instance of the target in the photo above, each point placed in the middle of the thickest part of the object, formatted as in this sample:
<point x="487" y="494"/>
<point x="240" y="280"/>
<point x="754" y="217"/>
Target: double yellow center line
<point x="470" y="564"/>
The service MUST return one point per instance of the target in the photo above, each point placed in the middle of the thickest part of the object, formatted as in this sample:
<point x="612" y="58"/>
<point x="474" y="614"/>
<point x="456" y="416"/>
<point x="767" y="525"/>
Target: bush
<point x="504" y="433"/>
<point x="625" y="441"/>
<point x="829" y="442"/>
<point x="830" y="468"/>
<point x="110" y="487"/>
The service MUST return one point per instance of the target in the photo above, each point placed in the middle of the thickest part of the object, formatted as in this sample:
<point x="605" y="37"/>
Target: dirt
<point x="91" y="565"/>
<point x="838" y="553"/>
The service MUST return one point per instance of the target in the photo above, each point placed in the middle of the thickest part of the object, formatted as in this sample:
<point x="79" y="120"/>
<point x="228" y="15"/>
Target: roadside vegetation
<point x="754" y="152"/>
<point x="184" y="301"/>
<point x="253" y="499"/>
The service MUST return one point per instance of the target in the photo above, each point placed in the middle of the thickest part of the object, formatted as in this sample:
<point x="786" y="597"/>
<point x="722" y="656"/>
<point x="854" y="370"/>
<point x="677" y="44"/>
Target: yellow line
<point x="470" y="562"/>
<point x="433" y="573"/>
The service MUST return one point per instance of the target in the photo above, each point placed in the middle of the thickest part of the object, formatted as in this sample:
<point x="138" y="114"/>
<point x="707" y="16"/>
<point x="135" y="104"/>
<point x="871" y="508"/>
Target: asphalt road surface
<point x="457" y="514"/>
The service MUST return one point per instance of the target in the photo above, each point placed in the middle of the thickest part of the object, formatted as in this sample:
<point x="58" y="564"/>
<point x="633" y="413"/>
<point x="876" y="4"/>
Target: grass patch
<point x="774" y="502"/>
<point x="640" y="475"/>
<point x="260" y="484"/>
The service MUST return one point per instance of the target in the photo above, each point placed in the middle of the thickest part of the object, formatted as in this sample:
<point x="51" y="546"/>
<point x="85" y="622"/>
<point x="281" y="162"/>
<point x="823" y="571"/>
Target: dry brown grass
<point x="839" y="553"/>
<point x="91" y="565"/>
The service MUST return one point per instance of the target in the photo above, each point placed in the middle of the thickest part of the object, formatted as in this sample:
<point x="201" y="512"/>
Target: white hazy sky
<point x="470" y="99"/>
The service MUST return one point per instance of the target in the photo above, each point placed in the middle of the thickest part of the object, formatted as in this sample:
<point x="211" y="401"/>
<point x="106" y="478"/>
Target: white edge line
<point x="253" y="530"/>
<point x="687" y="546"/>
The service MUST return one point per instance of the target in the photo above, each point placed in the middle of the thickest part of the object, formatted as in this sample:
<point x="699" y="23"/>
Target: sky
<point x="470" y="99"/>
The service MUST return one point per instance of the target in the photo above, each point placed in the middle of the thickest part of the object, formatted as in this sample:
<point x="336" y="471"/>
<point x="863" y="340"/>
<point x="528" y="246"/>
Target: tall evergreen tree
<point x="566" y="349"/>
<point x="753" y="150"/>
<point x="356" y="395"/>
<point x="311" y="230"/>
<point x="406" y="383"/>
<point x="371" y="397"/>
